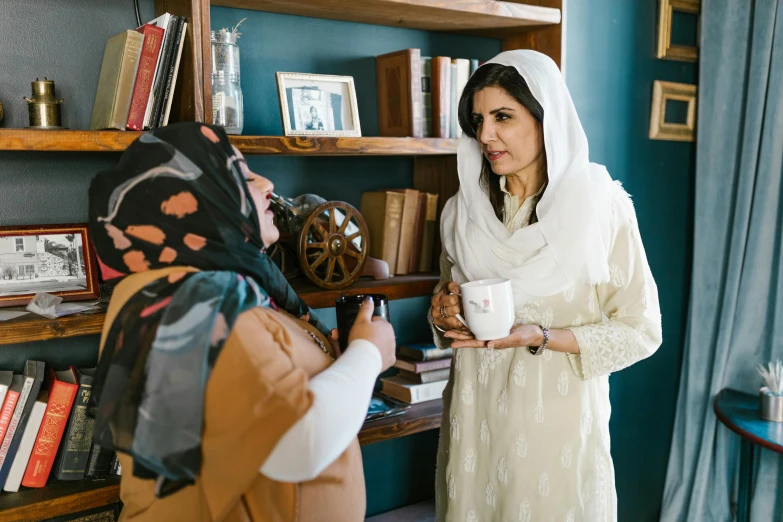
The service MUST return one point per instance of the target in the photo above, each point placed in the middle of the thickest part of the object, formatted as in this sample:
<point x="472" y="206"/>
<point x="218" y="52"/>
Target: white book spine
<point x="22" y="457"/>
<point x="427" y="392"/>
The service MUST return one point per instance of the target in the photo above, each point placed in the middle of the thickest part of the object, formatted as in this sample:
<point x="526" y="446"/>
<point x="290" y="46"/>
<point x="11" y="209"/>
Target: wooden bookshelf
<point x="118" y="141"/>
<point x="65" y="497"/>
<point x="476" y="17"/>
<point x="33" y="327"/>
<point x="420" y="417"/>
<point x="58" y="498"/>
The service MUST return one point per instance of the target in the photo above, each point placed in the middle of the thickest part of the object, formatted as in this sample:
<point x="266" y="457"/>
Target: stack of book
<point x="138" y="76"/>
<point x="44" y="426"/>
<point x="401" y="224"/>
<point x="418" y="96"/>
<point x="422" y="376"/>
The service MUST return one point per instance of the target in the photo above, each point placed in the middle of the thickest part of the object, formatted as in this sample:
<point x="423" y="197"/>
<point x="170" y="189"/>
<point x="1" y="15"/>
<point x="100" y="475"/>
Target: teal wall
<point x="610" y="70"/>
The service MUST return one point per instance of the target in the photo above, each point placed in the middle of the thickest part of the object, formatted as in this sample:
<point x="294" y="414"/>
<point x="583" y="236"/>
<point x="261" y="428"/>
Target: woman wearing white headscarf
<point x="526" y="421"/>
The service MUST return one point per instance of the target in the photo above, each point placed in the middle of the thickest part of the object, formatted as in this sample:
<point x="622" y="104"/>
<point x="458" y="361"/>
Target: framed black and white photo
<point x="56" y="259"/>
<point x="318" y="105"/>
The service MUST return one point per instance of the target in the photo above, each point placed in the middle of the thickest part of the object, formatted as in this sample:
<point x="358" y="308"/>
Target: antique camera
<point x="328" y="239"/>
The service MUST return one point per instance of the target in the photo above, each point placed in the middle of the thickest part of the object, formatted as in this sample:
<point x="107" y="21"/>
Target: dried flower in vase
<point x="233" y="30"/>
<point x="772" y="376"/>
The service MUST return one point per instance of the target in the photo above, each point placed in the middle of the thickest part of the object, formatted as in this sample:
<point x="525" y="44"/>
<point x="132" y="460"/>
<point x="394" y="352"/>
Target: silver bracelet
<point x="432" y="322"/>
<point x="538" y="350"/>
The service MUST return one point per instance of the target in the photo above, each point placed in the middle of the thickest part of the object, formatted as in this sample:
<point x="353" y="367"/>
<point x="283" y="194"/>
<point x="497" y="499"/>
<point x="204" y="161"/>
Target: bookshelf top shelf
<point x="118" y="141"/>
<point x="491" y="18"/>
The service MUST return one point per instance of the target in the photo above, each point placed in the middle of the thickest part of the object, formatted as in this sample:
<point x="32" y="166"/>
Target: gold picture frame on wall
<point x="667" y="50"/>
<point x="660" y="129"/>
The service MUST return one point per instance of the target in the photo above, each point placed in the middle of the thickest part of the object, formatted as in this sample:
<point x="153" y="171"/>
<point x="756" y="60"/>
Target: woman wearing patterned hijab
<point x="217" y="385"/>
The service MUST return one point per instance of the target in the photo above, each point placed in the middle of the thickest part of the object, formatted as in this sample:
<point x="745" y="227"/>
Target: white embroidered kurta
<point x="526" y="438"/>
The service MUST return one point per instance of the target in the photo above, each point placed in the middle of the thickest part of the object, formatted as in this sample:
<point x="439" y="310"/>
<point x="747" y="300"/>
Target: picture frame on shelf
<point x="56" y="259"/>
<point x="660" y="128"/>
<point x="318" y="105"/>
<point x="666" y="50"/>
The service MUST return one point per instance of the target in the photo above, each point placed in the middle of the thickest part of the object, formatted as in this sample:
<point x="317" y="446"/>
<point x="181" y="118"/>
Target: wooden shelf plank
<point x="491" y="18"/>
<point x="370" y="146"/>
<point x="118" y="141"/>
<point x="419" y="512"/>
<point x="420" y="417"/>
<point x="66" y="140"/>
<point x="399" y="287"/>
<point x="33" y="327"/>
<point x="58" y="498"/>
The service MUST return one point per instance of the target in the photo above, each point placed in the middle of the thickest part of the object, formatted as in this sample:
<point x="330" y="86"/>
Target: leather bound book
<point x="63" y="386"/>
<point x="418" y="233"/>
<point x="115" y="84"/>
<point x="407" y="224"/>
<point x="74" y="452"/>
<point x="399" y="93"/>
<point x="382" y="211"/>
<point x="153" y="39"/>
<point x="428" y="234"/>
<point x="441" y="97"/>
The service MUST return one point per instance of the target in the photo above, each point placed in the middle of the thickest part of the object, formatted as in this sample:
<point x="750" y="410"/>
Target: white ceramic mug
<point x="489" y="308"/>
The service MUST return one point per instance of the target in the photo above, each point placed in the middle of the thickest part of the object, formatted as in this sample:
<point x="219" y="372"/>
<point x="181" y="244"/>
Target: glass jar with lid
<point x="227" y="107"/>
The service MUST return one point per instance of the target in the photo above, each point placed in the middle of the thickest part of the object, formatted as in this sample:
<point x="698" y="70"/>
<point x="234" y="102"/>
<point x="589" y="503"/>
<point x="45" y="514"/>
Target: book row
<point x="138" y="76"/>
<point x="45" y="428"/>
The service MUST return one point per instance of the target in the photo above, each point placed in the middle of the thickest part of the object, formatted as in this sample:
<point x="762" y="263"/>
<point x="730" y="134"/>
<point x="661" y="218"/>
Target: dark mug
<point x="347" y="308"/>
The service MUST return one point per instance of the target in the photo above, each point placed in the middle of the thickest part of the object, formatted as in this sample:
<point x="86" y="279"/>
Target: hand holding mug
<point x="375" y="329"/>
<point x="446" y="304"/>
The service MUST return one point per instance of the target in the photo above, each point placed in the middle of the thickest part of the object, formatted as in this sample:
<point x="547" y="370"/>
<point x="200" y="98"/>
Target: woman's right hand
<point x="377" y="330"/>
<point x="447" y="300"/>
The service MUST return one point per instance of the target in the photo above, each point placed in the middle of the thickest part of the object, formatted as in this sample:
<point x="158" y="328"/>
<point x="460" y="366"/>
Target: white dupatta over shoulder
<point x="571" y="241"/>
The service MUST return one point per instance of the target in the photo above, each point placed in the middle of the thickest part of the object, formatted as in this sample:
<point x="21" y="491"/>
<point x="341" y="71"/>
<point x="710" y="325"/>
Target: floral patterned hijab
<point x="178" y="197"/>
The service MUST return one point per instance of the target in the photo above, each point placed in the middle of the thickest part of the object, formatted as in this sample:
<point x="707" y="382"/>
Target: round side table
<point x="740" y="413"/>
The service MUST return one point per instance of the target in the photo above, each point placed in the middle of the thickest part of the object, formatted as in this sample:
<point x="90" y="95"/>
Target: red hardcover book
<point x="153" y="38"/>
<point x="11" y="398"/>
<point x="62" y="392"/>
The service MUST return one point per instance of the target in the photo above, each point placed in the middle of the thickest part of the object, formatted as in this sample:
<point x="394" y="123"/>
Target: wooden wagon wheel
<point x="328" y="255"/>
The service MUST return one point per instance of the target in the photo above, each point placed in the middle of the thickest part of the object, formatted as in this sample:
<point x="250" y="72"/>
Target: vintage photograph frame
<point x="308" y="105"/>
<point x="660" y="129"/>
<point x="42" y="258"/>
<point x="667" y="50"/>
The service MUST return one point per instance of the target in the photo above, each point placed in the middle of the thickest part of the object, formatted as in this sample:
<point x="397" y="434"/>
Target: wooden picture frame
<point x="318" y="105"/>
<point x="667" y="50"/>
<point x="660" y="129"/>
<point x="57" y="259"/>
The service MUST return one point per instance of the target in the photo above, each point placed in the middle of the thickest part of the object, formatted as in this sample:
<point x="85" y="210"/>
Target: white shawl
<point x="570" y="243"/>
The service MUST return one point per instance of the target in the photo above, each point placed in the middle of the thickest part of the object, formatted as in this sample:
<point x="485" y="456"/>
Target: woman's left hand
<point x="522" y="335"/>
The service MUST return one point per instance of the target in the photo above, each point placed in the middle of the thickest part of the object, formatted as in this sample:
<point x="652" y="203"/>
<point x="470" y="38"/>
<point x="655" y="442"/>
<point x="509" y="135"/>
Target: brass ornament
<point x="43" y="107"/>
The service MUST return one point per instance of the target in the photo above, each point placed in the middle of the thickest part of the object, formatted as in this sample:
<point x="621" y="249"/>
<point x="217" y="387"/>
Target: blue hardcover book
<point x="423" y="352"/>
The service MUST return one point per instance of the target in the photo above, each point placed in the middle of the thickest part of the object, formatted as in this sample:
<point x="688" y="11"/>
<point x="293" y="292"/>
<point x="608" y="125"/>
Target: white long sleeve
<point x="341" y="397"/>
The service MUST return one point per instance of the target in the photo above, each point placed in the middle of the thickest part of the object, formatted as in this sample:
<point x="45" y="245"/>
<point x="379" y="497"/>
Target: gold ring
<point x="443" y="313"/>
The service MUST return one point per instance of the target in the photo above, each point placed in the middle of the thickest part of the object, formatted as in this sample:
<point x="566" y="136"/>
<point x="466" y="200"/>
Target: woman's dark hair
<point x="508" y="79"/>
